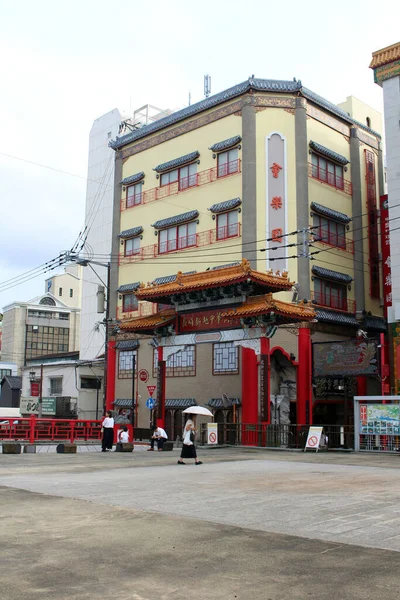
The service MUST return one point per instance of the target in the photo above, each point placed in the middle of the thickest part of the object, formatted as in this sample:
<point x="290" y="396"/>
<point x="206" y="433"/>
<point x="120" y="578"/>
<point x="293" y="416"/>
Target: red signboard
<point x="385" y="250"/>
<point x="143" y="375"/>
<point x="151" y="389"/>
<point x="207" y="320"/>
<point x="35" y="388"/>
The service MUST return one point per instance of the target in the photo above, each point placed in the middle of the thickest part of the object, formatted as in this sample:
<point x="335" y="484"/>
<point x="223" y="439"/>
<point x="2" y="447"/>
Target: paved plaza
<point x="276" y="524"/>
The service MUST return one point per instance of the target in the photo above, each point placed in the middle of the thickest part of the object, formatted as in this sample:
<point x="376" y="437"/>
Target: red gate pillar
<point x="111" y="360"/>
<point x="304" y="388"/>
<point x="249" y="386"/>
<point x="161" y="381"/>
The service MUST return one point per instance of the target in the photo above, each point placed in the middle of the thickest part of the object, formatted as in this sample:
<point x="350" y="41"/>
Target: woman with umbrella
<point x="188" y="447"/>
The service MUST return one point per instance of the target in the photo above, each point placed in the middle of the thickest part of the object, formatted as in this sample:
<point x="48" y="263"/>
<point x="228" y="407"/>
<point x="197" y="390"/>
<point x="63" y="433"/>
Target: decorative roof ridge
<point x="176" y="219"/>
<point x="225" y="144"/>
<point x="268" y="301"/>
<point x="329" y="153"/>
<point x="260" y="85"/>
<point x="135" y="178"/>
<point x="131" y="232"/>
<point x="225" y="205"/>
<point x="330" y="212"/>
<point x="177" y="162"/>
<point x="385" y="56"/>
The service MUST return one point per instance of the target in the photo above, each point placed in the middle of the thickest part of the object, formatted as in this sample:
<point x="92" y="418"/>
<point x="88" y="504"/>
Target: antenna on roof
<point x="207" y="85"/>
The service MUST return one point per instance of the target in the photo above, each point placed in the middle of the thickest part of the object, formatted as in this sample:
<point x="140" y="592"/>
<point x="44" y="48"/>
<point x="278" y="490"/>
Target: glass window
<point x="133" y="195"/>
<point x="329" y="231"/>
<point x="71" y="293"/>
<point x="227" y="225"/>
<point x="132" y="246"/>
<point x="60" y="291"/>
<point x="225" y="358"/>
<point x="181" y="364"/>
<point x="330" y="293"/>
<point x="177" y="238"/>
<point x="55" y="386"/>
<point x="129" y="302"/>
<point x="90" y="383"/>
<point x="327" y="171"/>
<point x="125" y="363"/>
<point x="228" y="162"/>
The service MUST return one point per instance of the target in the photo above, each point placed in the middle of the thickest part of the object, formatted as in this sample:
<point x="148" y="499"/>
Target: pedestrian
<point x="123" y="437"/>
<point x="108" y="432"/>
<point x="159" y="435"/>
<point x="188" y="447"/>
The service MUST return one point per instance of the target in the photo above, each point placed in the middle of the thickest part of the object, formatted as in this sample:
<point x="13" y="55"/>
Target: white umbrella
<point x="198" y="410"/>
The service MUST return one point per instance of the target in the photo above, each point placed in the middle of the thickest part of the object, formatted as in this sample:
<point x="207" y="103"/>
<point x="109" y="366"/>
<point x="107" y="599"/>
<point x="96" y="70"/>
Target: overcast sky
<point x="65" y="63"/>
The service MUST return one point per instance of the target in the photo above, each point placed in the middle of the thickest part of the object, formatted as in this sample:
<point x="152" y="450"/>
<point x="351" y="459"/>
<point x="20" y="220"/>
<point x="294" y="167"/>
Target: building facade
<point x="266" y="171"/>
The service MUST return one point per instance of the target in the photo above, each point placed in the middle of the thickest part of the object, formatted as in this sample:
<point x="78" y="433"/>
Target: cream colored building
<point x="259" y="171"/>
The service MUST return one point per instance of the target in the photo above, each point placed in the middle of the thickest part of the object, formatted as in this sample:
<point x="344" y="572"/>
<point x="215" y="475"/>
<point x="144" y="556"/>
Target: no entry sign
<point x="212" y="433"/>
<point x="313" y="438"/>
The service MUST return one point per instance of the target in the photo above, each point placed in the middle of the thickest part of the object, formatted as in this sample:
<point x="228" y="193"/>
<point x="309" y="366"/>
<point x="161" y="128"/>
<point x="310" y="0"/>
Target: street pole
<point x="40" y="392"/>
<point x="345" y="412"/>
<point x="106" y="335"/>
<point x="133" y="390"/>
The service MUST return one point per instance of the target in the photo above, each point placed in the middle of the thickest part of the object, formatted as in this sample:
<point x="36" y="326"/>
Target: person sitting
<point x="123" y="437"/>
<point x="159" y="435"/>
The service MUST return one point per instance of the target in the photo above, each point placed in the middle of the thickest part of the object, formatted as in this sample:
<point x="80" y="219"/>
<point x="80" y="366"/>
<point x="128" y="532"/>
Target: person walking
<point x="188" y="447"/>
<point x="108" y="432"/>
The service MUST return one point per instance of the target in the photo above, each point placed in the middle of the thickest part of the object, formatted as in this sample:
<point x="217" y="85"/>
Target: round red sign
<point x="143" y="375"/>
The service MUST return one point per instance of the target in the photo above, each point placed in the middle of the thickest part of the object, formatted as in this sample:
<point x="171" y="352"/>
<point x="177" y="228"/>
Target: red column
<point x="361" y="386"/>
<point x="249" y="386"/>
<point x="161" y="384"/>
<point x="111" y="366"/>
<point x="304" y="388"/>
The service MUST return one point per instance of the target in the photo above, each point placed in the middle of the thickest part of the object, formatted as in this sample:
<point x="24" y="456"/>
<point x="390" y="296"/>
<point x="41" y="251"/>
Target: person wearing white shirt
<point x="123" y="438"/>
<point x="108" y="432"/>
<point x="159" y="435"/>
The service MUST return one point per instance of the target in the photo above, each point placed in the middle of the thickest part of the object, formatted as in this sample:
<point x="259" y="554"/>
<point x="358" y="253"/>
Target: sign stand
<point x="315" y="434"/>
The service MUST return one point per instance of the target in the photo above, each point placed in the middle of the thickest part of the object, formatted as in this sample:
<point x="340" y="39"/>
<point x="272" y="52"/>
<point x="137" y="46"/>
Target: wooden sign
<point x="207" y="320"/>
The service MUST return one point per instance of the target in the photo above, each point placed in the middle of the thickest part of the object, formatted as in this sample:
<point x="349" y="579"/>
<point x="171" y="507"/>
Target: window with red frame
<point x="328" y="171"/>
<point x="132" y="246"/>
<point x="186" y="176"/>
<point x="177" y="238"/>
<point x="227" y="225"/>
<point x="330" y="293"/>
<point x="228" y="162"/>
<point x="329" y="231"/>
<point x="129" y="303"/>
<point x="133" y="195"/>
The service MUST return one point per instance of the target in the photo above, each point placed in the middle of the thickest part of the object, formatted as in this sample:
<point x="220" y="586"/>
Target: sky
<point x="63" y="64"/>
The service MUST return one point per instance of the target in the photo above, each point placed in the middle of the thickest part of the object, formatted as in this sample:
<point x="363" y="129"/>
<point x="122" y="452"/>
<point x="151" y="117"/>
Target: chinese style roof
<point x="177" y="162"/>
<point x="127" y="233"/>
<point x="124" y="402"/>
<point x="128" y="345"/>
<point x="336" y="317"/>
<point x="128" y="287"/>
<point x="176" y="220"/>
<point x="169" y="278"/>
<point x="261" y="305"/>
<point x="225" y="144"/>
<point x="252" y="84"/>
<point x="329" y="153"/>
<point x="325" y="211"/>
<point x="332" y="275"/>
<point x="255" y="282"/>
<point x="385" y="56"/>
<point x="227" y="205"/>
<point x="149" y="323"/>
<point x="219" y="403"/>
<point x="180" y="402"/>
<point x="372" y="323"/>
<point x="133" y="178"/>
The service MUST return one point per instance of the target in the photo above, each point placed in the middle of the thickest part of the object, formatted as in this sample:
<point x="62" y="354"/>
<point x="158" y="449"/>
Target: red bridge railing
<point x="31" y="429"/>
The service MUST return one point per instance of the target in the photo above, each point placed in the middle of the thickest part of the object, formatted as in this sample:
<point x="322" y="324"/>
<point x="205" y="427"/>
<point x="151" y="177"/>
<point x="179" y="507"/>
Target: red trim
<point x="285" y="354"/>
<point x="161" y="392"/>
<point x="249" y="386"/>
<point x="304" y="389"/>
<point x="266" y="350"/>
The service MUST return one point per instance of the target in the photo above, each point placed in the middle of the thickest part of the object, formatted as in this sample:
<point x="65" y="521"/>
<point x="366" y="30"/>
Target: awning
<point x="224" y="206"/>
<point x="128" y="233"/>
<point x="176" y="220"/>
<point x="133" y="178"/>
<point x="329" y="153"/>
<point x="226" y="144"/>
<point x="177" y="162"/>
<point x="332" y="275"/>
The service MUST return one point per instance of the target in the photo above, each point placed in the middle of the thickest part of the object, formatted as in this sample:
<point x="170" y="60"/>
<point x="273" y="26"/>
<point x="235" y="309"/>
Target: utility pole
<point x="133" y="389"/>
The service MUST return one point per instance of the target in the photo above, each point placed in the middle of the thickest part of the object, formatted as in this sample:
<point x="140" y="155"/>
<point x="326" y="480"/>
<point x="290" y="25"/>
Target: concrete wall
<point x="68" y="282"/>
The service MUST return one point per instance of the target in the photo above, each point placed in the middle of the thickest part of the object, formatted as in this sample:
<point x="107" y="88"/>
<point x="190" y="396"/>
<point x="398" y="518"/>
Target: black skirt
<point x="188" y="451"/>
<point x="108" y="438"/>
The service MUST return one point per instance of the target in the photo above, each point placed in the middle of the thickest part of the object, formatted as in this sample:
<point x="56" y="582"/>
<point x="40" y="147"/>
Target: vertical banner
<point x="385" y="251"/>
<point x="264" y="395"/>
<point x="276" y="209"/>
<point x="161" y="393"/>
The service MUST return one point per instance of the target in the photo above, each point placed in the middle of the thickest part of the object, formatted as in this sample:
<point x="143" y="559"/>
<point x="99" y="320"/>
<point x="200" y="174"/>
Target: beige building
<point x="67" y="286"/>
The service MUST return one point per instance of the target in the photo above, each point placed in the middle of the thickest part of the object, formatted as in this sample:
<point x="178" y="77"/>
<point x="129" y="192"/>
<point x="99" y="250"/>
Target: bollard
<point x="11" y="448"/>
<point x="29" y="449"/>
<point x="67" y="448"/>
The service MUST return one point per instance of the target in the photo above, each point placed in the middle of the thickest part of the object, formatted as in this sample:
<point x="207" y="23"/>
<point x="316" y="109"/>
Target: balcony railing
<point x="329" y="178"/>
<point x="228" y="231"/>
<point x="340" y="242"/>
<point x="144" y="309"/>
<point x="333" y="301"/>
<point x="204" y="238"/>
<point x="183" y="184"/>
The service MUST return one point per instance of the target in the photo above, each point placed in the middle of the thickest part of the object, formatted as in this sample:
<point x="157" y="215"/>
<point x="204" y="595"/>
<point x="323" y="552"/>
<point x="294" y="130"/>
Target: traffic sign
<point x="150" y="403"/>
<point x="151" y="389"/>
<point x="143" y="375"/>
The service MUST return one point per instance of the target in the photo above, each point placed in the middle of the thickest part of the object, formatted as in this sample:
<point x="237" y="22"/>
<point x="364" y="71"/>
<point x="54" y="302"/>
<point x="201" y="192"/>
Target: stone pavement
<point x="246" y="522"/>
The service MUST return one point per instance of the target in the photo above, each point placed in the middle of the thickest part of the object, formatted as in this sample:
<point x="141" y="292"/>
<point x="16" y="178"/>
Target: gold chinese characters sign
<point x="207" y="320"/>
